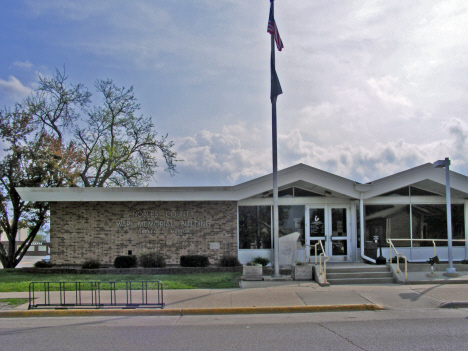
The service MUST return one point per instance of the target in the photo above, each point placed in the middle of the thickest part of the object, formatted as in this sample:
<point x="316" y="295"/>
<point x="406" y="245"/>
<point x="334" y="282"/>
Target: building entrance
<point x="331" y="225"/>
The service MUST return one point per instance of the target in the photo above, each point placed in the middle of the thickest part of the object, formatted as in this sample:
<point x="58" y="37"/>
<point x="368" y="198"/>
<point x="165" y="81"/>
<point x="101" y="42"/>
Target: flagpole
<point x="275" y="163"/>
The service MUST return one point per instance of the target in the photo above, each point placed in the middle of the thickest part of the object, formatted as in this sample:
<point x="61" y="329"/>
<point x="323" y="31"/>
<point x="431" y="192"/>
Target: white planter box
<point x="252" y="273"/>
<point x="303" y="272"/>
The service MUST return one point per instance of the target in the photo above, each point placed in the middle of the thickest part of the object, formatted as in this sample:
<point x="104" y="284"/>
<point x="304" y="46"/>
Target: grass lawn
<point x="14" y="280"/>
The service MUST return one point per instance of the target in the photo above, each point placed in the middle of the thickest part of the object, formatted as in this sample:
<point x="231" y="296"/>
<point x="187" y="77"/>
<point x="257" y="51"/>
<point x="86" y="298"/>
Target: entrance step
<point x="365" y="274"/>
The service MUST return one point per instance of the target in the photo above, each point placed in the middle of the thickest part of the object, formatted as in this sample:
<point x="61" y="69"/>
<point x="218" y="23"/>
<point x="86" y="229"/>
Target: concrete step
<point x="365" y="275"/>
<point x="369" y="268"/>
<point x="361" y="281"/>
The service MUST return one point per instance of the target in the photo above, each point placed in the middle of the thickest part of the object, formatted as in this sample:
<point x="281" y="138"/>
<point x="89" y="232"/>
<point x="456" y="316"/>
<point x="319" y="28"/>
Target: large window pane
<point x="388" y="222"/>
<point x="254" y="227"/>
<point x="291" y="220"/>
<point x="433" y="223"/>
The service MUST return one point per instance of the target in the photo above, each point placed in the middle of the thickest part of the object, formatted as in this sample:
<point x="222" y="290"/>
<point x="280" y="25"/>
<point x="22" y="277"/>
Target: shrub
<point x="91" y="264"/>
<point x="194" y="261"/>
<point x="394" y="259"/>
<point x="43" y="264"/>
<point x="261" y="260"/>
<point x="125" y="261"/>
<point x="229" y="261"/>
<point x="151" y="259"/>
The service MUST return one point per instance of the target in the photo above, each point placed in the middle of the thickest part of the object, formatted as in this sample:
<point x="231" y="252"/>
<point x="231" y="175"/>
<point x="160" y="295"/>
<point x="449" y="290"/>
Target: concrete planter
<point x="302" y="272"/>
<point x="252" y="273"/>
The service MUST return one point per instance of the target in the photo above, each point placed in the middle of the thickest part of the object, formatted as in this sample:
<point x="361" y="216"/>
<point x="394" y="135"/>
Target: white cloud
<point x="222" y="159"/>
<point x="25" y="64"/>
<point x="14" y="89"/>
<point x="370" y="86"/>
<point x="385" y="88"/>
<point x="221" y="156"/>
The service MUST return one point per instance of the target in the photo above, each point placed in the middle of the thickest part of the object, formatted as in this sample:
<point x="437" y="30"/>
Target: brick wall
<point x="105" y="230"/>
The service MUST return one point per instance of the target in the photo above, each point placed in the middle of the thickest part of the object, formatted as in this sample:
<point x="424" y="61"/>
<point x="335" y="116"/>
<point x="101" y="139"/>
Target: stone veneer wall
<point x="105" y="230"/>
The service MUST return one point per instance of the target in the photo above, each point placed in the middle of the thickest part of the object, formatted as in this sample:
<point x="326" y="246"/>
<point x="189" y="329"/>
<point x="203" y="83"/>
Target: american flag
<point x="272" y="29"/>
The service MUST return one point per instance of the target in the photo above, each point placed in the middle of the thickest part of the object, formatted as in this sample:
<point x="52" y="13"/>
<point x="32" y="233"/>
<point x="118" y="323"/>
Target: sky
<point x="370" y="87"/>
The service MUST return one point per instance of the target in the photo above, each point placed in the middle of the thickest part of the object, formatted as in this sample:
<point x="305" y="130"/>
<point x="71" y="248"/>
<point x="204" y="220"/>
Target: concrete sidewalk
<point x="279" y="297"/>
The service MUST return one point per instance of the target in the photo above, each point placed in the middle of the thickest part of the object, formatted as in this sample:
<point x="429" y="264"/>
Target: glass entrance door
<point x="330" y="224"/>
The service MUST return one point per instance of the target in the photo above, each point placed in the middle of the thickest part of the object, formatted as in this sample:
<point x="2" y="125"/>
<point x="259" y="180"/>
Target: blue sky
<point x="370" y="87"/>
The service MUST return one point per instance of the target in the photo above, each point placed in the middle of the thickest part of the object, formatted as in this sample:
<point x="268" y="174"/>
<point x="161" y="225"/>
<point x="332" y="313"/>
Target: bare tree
<point x="56" y="105"/>
<point x="119" y="147"/>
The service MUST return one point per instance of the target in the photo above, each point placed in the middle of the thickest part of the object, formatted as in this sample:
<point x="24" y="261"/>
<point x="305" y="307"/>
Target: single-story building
<point x="408" y="207"/>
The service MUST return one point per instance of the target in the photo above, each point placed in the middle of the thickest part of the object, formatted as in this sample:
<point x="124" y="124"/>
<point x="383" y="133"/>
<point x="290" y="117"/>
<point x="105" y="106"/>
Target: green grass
<point x="13" y="280"/>
<point x="13" y="302"/>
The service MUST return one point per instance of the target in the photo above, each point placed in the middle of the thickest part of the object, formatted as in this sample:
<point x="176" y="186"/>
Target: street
<point x="417" y="329"/>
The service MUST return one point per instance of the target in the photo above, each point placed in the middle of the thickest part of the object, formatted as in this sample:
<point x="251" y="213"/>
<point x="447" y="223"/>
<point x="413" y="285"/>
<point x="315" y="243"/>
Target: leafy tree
<point x="32" y="160"/>
<point x="46" y="148"/>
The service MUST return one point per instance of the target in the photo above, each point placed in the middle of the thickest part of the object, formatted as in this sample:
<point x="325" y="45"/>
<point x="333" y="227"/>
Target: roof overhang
<point x="425" y="176"/>
<point x="292" y="175"/>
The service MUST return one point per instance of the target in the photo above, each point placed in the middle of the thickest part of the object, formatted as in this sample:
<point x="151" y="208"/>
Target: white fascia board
<point x="295" y="173"/>
<point x="414" y="175"/>
<point x="127" y="194"/>
<point x="297" y="201"/>
<point x="414" y="200"/>
<point x="229" y="193"/>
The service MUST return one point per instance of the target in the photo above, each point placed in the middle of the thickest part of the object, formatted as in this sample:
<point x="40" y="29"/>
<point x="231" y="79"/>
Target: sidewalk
<point x="279" y="297"/>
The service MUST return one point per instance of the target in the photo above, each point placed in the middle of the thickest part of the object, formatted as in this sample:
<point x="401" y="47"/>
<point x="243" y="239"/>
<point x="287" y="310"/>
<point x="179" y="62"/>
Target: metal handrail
<point x="324" y="271"/>
<point x="398" y="239"/>
<point x="433" y="242"/>
<point x="389" y="241"/>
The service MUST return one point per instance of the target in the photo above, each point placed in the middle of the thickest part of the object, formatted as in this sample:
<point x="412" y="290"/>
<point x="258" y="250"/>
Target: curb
<point x="187" y="311"/>
<point x="454" y="305"/>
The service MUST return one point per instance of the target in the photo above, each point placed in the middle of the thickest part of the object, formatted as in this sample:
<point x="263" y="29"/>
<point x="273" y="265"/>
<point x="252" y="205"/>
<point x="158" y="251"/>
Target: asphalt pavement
<point x="273" y="297"/>
<point x="418" y="291"/>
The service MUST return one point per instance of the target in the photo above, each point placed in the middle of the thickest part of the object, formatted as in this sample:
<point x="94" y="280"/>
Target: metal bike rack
<point x="95" y="294"/>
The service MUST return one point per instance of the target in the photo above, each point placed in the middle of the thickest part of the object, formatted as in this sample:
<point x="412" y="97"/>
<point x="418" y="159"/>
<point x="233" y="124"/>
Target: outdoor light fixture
<point x="441" y="164"/>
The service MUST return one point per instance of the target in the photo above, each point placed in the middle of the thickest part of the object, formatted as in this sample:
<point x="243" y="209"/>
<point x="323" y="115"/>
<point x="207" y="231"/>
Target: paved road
<point x="418" y="329"/>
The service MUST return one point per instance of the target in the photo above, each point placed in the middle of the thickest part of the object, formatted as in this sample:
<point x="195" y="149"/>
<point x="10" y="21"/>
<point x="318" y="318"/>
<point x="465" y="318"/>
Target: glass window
<point x="291" y="220"/>
<point x="339" y="226"/>
<point x="317" y="222"/>
<point x="432" y="224"/>
<point x="294" y="192"/>
<point x="401" y="192"/>
<point x="420" y="192"/>
<point x="388" y="222"/>
<point x="358" y="221"/>
<point x="405" y="191"/>
<point x="254" y="227"/>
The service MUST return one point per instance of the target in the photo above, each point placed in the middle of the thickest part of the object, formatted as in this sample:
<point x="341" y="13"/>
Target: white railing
<point x="392" y="248"/>
<point x="398" y="255"/>
<point x="326" y="258"/>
